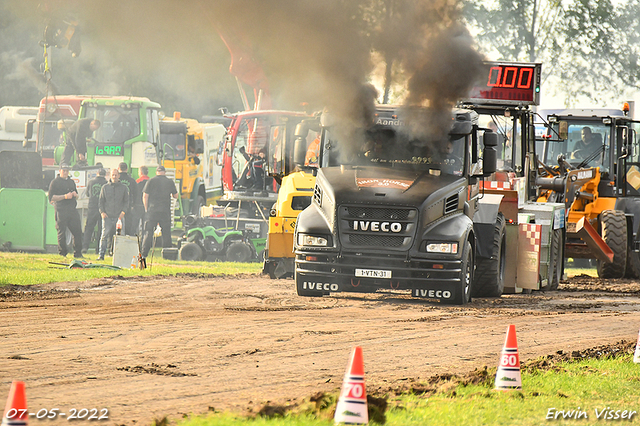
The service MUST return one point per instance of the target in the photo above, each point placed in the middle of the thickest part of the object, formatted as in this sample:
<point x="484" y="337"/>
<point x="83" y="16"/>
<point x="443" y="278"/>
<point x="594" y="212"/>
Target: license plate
<point x="372" y="273"/>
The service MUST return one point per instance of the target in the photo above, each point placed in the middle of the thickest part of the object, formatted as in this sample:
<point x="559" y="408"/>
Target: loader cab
<point x="582" y="143"/>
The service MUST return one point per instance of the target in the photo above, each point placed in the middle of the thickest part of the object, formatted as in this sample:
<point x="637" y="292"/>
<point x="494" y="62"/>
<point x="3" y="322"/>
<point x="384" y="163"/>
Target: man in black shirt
<point x="156" y="198"/>
<point x="93" y="212"/>
<point x="130" y="183"/>
<point x="63" y="194"/>
<point x="77" y="136"/>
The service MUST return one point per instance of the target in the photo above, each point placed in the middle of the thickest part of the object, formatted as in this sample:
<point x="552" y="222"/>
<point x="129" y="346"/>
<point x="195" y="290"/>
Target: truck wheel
<point x="489" y="276"/>
<point x="197" y="203"/>
<point x="190" y="252"/>
<point x="614" y="233"/>
<point x="557" y="257"/>
<point x="463" y="290"/>
<point x="238" y="252"/>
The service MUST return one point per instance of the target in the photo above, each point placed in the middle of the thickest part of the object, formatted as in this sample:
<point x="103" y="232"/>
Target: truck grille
<point x="382" y="228"/>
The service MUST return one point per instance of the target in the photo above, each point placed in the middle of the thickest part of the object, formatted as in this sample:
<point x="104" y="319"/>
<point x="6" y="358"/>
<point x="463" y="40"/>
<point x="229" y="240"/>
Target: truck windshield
<point x="118" y="125"/>
<point x="173" y="145"/>
<point x="386" y="147"/>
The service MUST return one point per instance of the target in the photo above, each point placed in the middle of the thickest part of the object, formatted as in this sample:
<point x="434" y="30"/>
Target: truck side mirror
<point x="489" y="154"/>
<point x="28" y="129"/>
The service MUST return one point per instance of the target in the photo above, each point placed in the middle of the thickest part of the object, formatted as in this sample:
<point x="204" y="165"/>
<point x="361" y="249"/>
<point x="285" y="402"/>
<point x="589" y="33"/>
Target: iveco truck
<point x="393" y="211"/>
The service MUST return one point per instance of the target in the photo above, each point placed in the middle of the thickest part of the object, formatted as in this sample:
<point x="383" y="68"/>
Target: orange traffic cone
<point x="15" y="412"/>
<point x="508" y="374"/>
<point x="352" y="404"/>
<point x="636" y="355"/>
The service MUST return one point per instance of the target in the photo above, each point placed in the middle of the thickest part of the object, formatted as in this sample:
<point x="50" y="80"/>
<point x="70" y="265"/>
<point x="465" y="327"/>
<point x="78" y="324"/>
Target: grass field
<point x="39" y="268"/>
<point x="589" y="392"/>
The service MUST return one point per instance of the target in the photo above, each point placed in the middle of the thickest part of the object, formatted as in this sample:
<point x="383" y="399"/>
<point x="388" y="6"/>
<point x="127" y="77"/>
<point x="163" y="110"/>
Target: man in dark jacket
<point x="113" y="203"/>
<point x="63" y="194"/>
<point x="77" y="136"/>
<point x="130" y="183"/>
<point x="157" y="203"/>
<point x="93" y="212"/>
<point x="138" y="206"/>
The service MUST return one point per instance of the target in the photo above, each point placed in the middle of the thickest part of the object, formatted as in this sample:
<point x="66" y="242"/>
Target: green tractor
<point x="201" y="240"/>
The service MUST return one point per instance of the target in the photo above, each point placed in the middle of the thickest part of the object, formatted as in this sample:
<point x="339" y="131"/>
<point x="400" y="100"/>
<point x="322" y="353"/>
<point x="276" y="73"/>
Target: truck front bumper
<point x="328" y="273"/>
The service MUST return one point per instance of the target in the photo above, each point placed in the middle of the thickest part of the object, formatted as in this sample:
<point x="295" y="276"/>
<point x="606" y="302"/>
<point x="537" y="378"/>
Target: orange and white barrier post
<point x="352" y="404"/>
<point x="508" y="374"/>
<point x="15" y="412"/>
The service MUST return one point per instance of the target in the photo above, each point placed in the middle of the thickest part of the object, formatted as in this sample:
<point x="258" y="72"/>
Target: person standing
<point x="130" y="183"/>
<point x="138" y="206"/>
<point x="113" y="203"/>
<point x="93" y="212"/>
<point x="76" y="139"/>
<point x="63" y="194"/>
<point x="157" y="204"/>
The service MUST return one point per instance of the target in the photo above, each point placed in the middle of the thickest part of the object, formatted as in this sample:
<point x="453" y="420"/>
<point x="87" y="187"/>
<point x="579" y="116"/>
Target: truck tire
<point x="197" y="203"/>
<point x="238" y="252"/>
<point x="557" y="257"/>
<point x="489" y="275"/>
<point x="463" y="289"/>
<point x="613" y="225"/>
<point x="190" y="252"/>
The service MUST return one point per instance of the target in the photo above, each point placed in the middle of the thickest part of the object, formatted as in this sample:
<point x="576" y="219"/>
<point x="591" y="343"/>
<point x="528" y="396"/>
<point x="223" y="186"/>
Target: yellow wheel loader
<point x="590" y="162"/>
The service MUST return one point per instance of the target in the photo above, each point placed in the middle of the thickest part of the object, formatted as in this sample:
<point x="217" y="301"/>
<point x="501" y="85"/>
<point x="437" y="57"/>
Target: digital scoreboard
<point x="109" y="149"/>
<point x="510" y="83"/>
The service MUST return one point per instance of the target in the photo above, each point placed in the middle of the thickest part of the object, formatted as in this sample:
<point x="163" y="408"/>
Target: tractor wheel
<point x="557" y="257"/>
<point x="463" y="289"/>
<point x="190" y="252"/>
<point x="238" y="252"/>
<point x="614" y="233"/>
<point x="489" y="275"/>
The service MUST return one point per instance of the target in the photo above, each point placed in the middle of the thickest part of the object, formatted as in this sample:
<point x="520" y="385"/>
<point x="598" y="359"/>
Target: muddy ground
<point x="175" y="346"/>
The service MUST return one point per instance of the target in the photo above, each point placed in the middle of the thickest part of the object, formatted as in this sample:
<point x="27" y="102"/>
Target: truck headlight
<point x="312" y="241"/>
<point x="448" y="248"/>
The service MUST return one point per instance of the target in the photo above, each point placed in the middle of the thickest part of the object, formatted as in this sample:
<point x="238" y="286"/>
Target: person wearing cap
<point x="156" y="198"/>
<point x="92" y="192"/>
<point x="113" y="203"/>
<point x="132" y="186"/>
<point x="63" y="194"/>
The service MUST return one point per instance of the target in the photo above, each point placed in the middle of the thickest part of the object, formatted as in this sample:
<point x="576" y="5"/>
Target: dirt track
<point x="171" y="346"/>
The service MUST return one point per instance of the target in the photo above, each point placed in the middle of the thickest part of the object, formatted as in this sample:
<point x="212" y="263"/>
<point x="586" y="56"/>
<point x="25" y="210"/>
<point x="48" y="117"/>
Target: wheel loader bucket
<point x="594" y="241"/>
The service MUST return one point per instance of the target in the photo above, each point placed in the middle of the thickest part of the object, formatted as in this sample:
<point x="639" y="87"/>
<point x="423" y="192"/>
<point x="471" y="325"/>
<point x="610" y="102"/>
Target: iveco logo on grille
<point x="366" y="225"/>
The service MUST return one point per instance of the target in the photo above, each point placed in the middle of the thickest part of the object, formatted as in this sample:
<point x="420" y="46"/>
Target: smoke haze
<point x="318" y="52"/>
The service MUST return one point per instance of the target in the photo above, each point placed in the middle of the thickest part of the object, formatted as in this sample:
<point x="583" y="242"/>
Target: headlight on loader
<point x="312" y="241"/>
<point x="446" y="248"/>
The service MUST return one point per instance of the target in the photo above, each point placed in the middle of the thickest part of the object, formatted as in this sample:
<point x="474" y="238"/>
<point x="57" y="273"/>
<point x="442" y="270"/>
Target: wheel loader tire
<point x="614" y="233"/>
<point x="238" y="252"/>
<point x="489" y="274"/>
<point x="190" y="252"/>
<point x="557" y="257"/>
